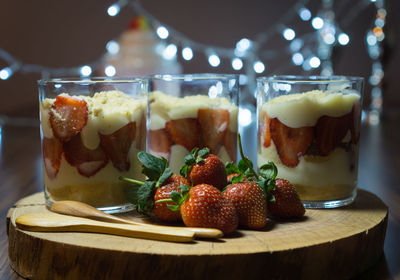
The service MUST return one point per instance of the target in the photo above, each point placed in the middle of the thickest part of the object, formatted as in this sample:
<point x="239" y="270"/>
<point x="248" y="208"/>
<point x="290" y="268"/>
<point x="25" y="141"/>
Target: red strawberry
<point x="230" y="177"/>
<point x="87" y="161"/>
<point x="116" y="146"/>
<point x="184" y="132"/>
<point x="207" y="207"/>
<point x="355" y="123"/>
<point x="207" y="169"/>
<point x="329" y="132"/>
<point x="250" y="202"/>
<point x="214" y="124"/>
<point x="287" y="202"/>
<point x="265" y="131"/>
<point x="291" y="143"/>
<point x="68" y="116"/>
<point x="52" y="151"/>
<point x="160" y="210"/>
<point x="159" y="141"/>
<point x="177" y="180"/>
<point x="230" y="143"/>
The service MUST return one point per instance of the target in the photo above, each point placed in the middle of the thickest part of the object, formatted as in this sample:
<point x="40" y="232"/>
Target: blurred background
<point x="42" y="39"/>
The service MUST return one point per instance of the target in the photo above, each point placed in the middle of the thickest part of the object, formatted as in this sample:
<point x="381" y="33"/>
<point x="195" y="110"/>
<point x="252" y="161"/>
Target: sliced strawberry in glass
<point x="87" y="161"/>
<point x="68" y="116"/>
<point x="214" y="124"/>
<point x="330" y="131"/>
<point x="52" y="151"/>
<point x="291" y="143"/>
<point x="266" y="134"/>
<point x="184" y="132"/>
<point x="159" y="141"/>
<point x="117" y="145"/>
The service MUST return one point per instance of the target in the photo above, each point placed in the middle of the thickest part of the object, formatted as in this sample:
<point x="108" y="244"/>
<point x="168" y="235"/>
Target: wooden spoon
<point x="80" y="209"/>
<point x="53" y="222"/>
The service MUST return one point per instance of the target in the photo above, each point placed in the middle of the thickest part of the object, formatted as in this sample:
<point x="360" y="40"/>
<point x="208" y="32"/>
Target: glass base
<point x="323" y="204"/>
<point x="108" y="209"/>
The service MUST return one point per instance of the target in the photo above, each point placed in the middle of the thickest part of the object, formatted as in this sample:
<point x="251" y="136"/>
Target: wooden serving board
<point x="334" y="243"/>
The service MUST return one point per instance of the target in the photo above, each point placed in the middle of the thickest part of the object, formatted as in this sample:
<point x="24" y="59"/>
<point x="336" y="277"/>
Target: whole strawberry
<point x="161" y="209"/>
<point x="207" y="207"/>
<point x="149" y="197"/>
<point x="286" y="202"/>
<point x="201" y="167"/>
<point x="250" y="202"/>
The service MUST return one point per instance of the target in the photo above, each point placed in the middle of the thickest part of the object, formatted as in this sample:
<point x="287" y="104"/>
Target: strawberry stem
<point x="245" y="159"/>
<point x="164" y="200"/>
<point x="132" y="181"/>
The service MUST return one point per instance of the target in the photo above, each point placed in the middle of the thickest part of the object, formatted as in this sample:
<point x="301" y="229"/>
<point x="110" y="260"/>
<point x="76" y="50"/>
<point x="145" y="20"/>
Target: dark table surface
<point x="379" y="172"/>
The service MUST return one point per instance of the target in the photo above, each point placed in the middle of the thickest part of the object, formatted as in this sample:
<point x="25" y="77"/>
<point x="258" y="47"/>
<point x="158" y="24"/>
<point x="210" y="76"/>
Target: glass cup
<point x="309" y="127"/>
<point x="192" y="110"/>
<point x="91" y="131"/>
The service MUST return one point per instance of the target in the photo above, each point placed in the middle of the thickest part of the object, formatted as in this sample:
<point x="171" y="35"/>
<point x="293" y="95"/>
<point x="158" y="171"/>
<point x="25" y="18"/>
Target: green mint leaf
<point x="268" y="170"/>
<point x="164" y="177"/>
<point x="231" y="168"/>
<point x="153" y="167"/>
<point x="173" y="207"/>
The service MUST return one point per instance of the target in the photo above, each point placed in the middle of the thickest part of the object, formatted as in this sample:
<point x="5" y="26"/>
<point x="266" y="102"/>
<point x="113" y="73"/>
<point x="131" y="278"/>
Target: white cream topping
<point x="304" y="109"/>
<point x="165" y="107"/>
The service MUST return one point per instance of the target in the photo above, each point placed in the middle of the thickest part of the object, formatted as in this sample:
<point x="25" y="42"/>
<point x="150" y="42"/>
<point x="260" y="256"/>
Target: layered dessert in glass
<point x="188" y="111"/>
<point x="91" y="133"/>
<point x="309" y="127"/>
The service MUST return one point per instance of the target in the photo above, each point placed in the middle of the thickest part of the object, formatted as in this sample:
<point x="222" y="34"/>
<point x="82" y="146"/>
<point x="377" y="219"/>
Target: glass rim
<point x="193" y="76"/>
<point x="92" y="80"/>
<point x="293" y="79"/>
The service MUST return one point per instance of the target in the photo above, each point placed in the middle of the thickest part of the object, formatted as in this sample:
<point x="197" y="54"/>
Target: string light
<point x="187" y="53"/>
<point x="112" y="47"/>
<point x="317" y="23"/>
<point x="258" y="67"/>
<point x="113" y="10"/>
<point x="297" y="58"/>
<point x="244" y="51"/>
<point x="86" y="70"/>
<point x="315" y="62"/>
<point x="170" y="52"/>
<point x="343" y="39"/>
<point x="305" y="14"/>
<point x="162" y="32"/>
<point x="214" y="60"/>
<point x="110" y="71"/>
<point x="237" y="64"/>
<point x="5" y="73"/>
<point x="288" y="34"/>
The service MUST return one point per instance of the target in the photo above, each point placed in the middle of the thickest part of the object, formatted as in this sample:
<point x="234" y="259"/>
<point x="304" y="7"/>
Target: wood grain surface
<point x="326" y="244"/>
